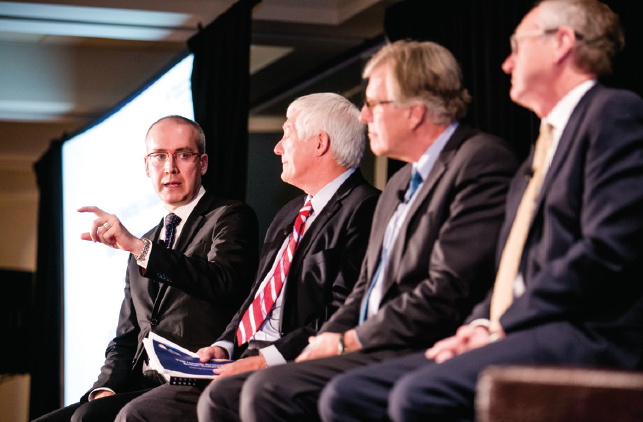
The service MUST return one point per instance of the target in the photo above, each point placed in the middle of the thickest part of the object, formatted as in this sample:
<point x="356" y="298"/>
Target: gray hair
<point x="599" y="35"/>
<point x="336" y="116"/>
<point x="425" y="73"/>
<point x="200" y="136"/>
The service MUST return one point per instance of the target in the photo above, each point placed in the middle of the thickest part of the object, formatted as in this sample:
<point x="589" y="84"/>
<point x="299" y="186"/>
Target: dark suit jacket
<point x="205" y="278"/>
<point x="442" y="261"/>
<point x="583" y="259"/>
<point x="325" y="265"/>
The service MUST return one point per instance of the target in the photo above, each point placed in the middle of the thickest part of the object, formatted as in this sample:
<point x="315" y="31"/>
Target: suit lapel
<point x="562" y="150"/>
<point x="423" y="195"/>
<point x="190" y="228"/>
<point x="333" y="205"/>
<point x="193" y="223"/>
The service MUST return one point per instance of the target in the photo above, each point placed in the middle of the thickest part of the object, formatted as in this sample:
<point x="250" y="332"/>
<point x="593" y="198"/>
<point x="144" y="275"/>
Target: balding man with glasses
<point x="185" y="278"/>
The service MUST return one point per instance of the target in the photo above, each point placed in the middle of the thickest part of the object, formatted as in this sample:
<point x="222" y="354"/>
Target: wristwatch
<point x="341" y="346"/>
<point x="146" y="249"/>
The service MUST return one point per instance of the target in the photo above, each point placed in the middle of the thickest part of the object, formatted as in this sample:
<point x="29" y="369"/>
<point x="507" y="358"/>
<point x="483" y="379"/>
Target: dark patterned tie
<point x="171" y="221"/>
<point x="263" y="303"/>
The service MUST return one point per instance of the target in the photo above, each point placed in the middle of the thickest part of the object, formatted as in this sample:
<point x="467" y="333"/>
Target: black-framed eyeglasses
<point x="515" y="38"/>
<point x="369" y="104"/>
<point x="180" y="157"/>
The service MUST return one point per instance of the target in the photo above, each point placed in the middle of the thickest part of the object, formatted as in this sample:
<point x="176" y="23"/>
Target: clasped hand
<point x="468" y="337"/>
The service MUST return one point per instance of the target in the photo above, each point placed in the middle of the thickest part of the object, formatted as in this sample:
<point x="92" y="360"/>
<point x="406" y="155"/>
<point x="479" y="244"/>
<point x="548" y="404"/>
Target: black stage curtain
<point x="220" y="91"/>
<point x="45" y="346"/>
<point x="15" y="317"/>
<point x="477" y="33"/>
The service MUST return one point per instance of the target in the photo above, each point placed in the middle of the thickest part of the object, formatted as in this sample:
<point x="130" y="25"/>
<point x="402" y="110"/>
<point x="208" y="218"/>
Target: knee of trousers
<point x="416" y="397"/>
<point x="213" y="401"/>
<point x="128" y="413"/>
<point x="335" y="400"/>
<point x="400" y="401"/>
<point x="263" y="395"/>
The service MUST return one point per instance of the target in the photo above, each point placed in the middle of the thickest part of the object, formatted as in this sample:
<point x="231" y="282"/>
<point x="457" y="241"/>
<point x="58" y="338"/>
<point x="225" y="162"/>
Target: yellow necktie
<point x="512" y="253"/>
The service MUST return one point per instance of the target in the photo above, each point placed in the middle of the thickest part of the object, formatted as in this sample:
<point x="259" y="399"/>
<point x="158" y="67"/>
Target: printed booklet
<point x="178" y="365"/>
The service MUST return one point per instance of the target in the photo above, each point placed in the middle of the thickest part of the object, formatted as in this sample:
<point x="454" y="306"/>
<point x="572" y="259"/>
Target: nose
<point x="508" y="64"/>
<point x="279" y="150"/>
<point x="365" y="114"/>
<point x="170" y="165"/>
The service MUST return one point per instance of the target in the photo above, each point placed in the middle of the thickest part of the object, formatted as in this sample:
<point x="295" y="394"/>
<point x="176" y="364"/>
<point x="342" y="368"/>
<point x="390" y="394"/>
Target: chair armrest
<point x="552" y="394"/>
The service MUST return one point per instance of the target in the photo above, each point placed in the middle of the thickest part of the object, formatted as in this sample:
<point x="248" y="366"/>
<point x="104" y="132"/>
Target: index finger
<point x="95" y="210"/>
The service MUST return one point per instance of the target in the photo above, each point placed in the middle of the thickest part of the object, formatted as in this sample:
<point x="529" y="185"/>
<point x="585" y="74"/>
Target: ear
<point x="204" y="163"/>
<point x="416" y="116"/>
<point x="147" y="166"/>
<point x="322" y="144"/>
<point x="565" y="41"/>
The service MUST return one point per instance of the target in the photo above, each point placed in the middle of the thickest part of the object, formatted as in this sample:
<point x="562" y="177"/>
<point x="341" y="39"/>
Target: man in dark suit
<point x="568" y="289"/>
<point x="185" y="278"/>
<point x="321" y="151"/>
<point x="430" y="253"/>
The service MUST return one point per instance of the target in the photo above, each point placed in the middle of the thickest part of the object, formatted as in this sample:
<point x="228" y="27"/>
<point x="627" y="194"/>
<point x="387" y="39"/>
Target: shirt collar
<point x="184" y="211"/>
<point x="320" y="200"/>
<point x="560" y="114"/>
<point x="426" y="161"/>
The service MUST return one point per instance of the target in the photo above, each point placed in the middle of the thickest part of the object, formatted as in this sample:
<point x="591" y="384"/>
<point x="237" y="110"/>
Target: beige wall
<point x="14" y="398"/>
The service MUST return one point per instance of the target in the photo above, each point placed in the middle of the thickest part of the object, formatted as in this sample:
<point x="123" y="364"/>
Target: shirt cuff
<point x="272" y="356"/>
<point x="227" y="345"/>
<point x="359" y="343"/>
<point x="96" y="391"/>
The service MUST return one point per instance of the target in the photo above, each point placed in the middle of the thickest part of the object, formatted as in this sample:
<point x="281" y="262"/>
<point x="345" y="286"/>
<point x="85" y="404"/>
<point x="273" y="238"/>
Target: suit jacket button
<point x="154" y="322"/>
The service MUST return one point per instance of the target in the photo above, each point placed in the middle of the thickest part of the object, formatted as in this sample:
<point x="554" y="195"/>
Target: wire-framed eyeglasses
<point x="515" y="38"/>
<point x="180" y="157"/>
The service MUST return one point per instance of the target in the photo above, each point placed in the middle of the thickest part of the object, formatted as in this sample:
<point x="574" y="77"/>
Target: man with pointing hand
<point x="185" y="279"/>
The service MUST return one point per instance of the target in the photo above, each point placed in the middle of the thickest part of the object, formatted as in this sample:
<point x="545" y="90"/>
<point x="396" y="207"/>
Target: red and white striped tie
<point x="264" y="301"/>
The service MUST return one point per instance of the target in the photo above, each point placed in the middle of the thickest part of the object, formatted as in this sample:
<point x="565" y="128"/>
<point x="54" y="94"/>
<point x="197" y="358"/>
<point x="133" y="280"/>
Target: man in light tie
<point x="568" y="289"/>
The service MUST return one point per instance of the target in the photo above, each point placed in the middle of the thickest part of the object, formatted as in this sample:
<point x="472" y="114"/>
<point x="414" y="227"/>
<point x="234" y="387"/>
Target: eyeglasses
<point x="515" y="38"/>
<point x="180" y="157"/>
<point x="369" y="104"/>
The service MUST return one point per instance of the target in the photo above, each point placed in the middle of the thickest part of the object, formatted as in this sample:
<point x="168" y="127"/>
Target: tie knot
<point x="300" y="221"/>
<point x="306" y="210"/>
<point x="172" y="220"/>
<point x="416" y="179"/>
